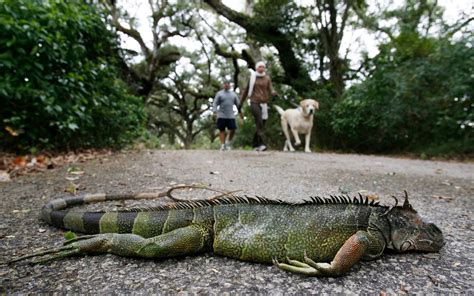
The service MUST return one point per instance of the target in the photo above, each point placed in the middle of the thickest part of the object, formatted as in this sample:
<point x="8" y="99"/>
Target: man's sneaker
<point x="223" y="148"/>
<point x="228" y="147"/>
<point x="262" y="148"/>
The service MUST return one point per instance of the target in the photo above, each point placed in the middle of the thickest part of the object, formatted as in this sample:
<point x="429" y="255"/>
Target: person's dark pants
<point x="223" y="123"/>
<point x="258" y="139"/>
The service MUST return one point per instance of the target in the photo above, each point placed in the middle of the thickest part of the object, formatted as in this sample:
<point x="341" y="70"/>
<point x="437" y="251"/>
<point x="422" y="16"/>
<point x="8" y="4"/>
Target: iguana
<point x="317" y="237"/>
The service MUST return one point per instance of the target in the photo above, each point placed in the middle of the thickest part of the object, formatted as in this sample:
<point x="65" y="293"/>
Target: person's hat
<point x="261" y="63"/>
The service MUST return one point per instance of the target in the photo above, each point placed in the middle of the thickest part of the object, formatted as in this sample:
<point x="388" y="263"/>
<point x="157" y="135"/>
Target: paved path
<point x="442" y="192"/>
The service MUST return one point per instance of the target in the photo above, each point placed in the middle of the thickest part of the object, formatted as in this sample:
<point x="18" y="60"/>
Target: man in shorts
<point x="223" y="109"/>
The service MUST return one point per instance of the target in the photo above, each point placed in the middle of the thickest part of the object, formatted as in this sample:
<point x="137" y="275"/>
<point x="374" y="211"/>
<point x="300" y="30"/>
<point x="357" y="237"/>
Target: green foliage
<point x="419" y="97"/>
<point x="69" y="235"/>
<point x="283" y="15"/>
<point x="58" y="80"/>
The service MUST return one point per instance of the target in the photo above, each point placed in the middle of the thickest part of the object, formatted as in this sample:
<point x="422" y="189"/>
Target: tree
<point x="330" y="18"/>
<point x="182" y="100"/>
<point x="274" y="23"/>
<point x="59" y="85"/>
<point x="167" y="20"/>
<point x="418" y="95"/>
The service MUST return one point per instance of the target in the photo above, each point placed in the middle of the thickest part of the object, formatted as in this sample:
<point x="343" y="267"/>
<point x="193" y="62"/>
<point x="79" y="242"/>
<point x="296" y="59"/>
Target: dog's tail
<point x="279" y="109"/>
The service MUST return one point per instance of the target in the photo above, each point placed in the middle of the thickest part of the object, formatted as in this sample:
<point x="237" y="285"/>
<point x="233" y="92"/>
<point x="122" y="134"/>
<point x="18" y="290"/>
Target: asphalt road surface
<point x="442" y="192"/>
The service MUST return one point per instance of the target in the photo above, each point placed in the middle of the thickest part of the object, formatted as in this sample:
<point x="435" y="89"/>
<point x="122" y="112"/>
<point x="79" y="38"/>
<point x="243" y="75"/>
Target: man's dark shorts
<point x="223" y="123"/>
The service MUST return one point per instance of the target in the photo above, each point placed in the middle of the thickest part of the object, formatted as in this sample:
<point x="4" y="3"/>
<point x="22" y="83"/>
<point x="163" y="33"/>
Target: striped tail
<point x="55" y="212"/>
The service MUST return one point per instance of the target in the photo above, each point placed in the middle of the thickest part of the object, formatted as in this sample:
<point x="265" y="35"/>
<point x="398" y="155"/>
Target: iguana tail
<point x="56" y="212"/>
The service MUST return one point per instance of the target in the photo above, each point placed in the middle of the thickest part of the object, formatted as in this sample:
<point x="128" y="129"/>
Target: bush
<point x="418" y="97"/>
<point x="58" y="81"/>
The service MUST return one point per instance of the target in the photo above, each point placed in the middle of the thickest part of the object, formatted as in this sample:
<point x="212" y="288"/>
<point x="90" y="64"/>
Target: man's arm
<point x="270" y="87"/>
<point x="216" y="102"/>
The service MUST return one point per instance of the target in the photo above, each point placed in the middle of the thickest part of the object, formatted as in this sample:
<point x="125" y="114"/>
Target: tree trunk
<point x="295" y="74"/>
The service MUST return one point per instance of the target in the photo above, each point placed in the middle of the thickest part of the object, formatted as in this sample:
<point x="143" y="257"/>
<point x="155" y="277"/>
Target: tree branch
<point x="459" y="27"/>
<point x="129" y="31"/>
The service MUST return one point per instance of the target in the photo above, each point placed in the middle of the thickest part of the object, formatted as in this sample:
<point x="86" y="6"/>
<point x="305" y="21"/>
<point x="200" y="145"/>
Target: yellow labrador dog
<point x="300" y="121"/>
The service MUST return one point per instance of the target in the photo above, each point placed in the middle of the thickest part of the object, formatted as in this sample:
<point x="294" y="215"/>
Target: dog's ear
<point x="303" y="103"/>
<point x="316" y="104"/>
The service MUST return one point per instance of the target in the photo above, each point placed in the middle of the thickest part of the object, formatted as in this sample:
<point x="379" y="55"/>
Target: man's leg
<point x="221" y="127"/>
<point x="231" y="134"/>
<point x="222" y="136"/>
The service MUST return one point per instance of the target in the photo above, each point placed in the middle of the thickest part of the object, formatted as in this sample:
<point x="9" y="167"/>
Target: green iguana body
<point x="338" y="230"/>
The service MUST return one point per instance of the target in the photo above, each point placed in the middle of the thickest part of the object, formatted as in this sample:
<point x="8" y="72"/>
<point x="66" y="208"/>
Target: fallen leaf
<point x="73" y="170"/>
<point x="214" y="173"/>
<point x="456" y="264"/>
<point x="434" y="280"/>
<point x="72" y="178"/>
<point x="404" y="289"/>
<point x="31" y="163"/>
<point x="4" y="176"/>
<point x="41" y="230"/>
<point x="77" y="173"/>
<point x="21" y="211"/>
<point x="71" y="188"/>
<point x="11" y="131"/>
<point x="432" y="255"/>
<point x="344" y="190"/>
<point x="373" y="197"/>
<point x="41" y="159"/>
<point x="446" y="198"/>
<point x="20" y="161"/>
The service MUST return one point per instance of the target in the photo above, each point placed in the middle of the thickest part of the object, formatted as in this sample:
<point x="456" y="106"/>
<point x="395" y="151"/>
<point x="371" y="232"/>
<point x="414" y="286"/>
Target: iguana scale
<point x="319" y="237"/>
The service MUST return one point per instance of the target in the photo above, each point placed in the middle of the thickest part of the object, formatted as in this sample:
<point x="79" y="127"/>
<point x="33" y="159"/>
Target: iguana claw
<point x="58" y="253"/>
<point x="321" y="267"/>
<point x="296" y="266"/>
<point x="78" y="245"/>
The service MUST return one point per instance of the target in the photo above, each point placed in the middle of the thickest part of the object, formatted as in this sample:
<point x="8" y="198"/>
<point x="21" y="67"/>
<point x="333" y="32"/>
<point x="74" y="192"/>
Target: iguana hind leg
<point x="182" y="241"/>
<point x="349" y="254"/>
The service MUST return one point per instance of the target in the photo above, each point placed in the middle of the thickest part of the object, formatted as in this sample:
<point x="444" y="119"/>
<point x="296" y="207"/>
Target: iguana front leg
<point x="359" y="245"/>
<point x="182" y="241"/>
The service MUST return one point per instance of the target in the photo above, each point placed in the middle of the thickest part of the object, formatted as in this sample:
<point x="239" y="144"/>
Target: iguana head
<point x="408" y="232"/>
